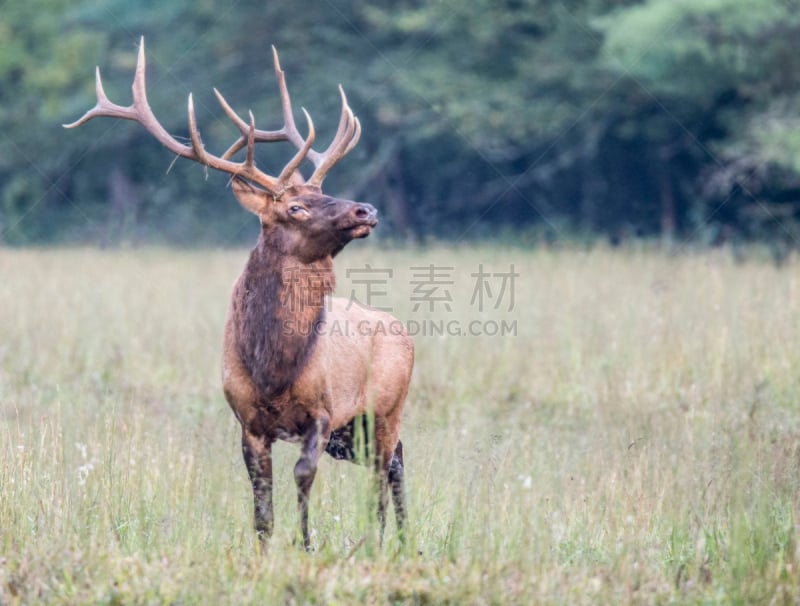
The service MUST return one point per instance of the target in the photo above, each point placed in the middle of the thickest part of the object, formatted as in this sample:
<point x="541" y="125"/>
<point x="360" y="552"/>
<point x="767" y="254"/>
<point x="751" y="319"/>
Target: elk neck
<point x="279" y="305"/>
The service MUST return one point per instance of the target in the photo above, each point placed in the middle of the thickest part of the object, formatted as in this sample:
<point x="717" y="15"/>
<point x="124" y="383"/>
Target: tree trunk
<point x="668" y="217"/>
<point x="394" y="186"/>
<point x="124" y="202"/>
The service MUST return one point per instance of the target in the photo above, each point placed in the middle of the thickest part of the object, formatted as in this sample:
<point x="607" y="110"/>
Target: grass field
<point x="637" y="440"/>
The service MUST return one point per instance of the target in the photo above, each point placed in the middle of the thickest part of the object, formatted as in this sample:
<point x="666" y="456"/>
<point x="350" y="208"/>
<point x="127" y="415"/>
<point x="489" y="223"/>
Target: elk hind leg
<point x="390" y="477"/>
<point x="396" y="478"/>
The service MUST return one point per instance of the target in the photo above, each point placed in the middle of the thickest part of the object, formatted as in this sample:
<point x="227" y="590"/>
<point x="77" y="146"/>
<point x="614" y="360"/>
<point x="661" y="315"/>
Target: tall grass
<point x="637" y="440"/>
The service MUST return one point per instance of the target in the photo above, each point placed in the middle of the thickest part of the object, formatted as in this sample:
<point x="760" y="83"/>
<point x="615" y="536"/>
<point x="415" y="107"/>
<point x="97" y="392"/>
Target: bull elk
<point x="284" y="375"/>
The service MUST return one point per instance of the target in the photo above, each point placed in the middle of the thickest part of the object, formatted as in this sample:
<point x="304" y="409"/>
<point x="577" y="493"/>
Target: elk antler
<point x="346" y="136"/>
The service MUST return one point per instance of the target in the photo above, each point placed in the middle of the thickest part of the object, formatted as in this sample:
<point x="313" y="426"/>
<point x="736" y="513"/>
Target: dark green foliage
<point x="614" y="117"/>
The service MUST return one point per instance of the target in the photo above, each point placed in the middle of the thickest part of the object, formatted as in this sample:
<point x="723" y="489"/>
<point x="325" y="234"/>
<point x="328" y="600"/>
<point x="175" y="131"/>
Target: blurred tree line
<point x="619" y="118"/>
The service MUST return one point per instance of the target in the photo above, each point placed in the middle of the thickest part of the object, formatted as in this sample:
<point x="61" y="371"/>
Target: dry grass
<point x="636" y="442"/>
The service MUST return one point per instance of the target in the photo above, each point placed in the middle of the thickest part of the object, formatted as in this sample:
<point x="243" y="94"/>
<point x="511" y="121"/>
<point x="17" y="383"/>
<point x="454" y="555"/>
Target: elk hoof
<point x="303" y="470"/>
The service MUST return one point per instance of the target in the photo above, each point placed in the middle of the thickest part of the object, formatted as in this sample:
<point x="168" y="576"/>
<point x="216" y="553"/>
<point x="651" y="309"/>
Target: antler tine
<point x="289" y="128"/>
<point x="246" y="169"/>
<point x="251" y="143"/>
<point x="347" y="135"/>
<point x="301" y="154"/>
<point x="355" y="139"/>
<point x="145" y="115"/>
<point x="194" y="134"/>
<point x="103" y="107"/>
<point x="261" y="136"/>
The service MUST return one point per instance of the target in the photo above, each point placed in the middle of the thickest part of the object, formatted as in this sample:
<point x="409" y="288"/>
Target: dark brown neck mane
<point x="280" y="306"/>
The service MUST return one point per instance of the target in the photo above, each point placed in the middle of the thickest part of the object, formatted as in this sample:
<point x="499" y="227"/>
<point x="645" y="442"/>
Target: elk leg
<point x="383" y="497"/>
<point x="257" y="453"/>
<point x="306" y="469"/>
<point x="391" y="478"/>
<point x="397" y="486"/>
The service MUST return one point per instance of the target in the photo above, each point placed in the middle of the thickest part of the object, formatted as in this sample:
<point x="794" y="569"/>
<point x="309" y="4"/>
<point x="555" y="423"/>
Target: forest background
<point x="521" y="119"/>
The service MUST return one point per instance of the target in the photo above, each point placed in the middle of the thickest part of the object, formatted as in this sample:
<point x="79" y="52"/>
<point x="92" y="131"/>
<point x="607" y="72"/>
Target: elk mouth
<point x="361" y="229"/>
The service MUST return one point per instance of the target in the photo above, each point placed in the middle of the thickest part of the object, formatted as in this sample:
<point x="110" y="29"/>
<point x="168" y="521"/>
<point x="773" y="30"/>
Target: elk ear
<point x="252" y="198"/>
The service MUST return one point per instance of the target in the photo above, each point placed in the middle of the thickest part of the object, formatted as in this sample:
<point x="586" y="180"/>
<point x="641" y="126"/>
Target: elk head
<point x="294" y="212"/>
<point x="304" y="222"/>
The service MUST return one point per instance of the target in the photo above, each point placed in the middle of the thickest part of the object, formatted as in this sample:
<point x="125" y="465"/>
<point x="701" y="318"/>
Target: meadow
<point x="635" y="439"/>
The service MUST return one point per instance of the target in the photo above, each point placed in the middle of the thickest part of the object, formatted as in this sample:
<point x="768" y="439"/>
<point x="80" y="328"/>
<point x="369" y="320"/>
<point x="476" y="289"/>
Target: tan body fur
<point x="367" y="368"/>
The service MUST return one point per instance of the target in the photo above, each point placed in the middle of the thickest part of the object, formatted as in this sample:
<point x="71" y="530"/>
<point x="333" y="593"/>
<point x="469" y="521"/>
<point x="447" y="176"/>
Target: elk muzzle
<point x="359" y="220"/>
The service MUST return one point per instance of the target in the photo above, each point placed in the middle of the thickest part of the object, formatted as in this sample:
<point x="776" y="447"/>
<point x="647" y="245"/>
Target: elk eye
<point x="295" y="209"/>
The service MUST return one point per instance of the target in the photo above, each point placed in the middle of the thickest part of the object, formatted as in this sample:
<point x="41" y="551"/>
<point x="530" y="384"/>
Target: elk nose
<point x="365" y="212"/>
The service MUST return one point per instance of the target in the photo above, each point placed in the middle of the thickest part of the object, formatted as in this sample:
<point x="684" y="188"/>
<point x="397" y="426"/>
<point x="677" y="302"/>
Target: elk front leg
<point x="257" y="451"/>
<point x="314" y="441"/>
